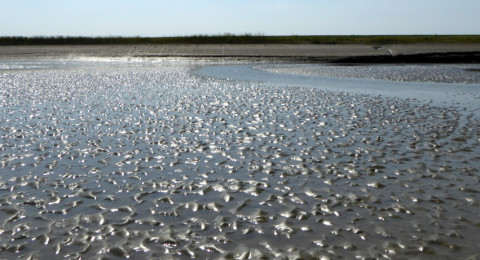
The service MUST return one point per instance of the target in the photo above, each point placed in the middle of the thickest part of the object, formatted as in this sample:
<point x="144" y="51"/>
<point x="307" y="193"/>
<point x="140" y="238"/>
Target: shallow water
<point x="192" y="158"/>
<point x="457" y="73"/>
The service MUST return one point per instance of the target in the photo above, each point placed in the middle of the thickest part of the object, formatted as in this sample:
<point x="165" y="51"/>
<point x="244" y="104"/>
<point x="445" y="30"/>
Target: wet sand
<point x="189" y="158"/>
<point x="307" y="52"/>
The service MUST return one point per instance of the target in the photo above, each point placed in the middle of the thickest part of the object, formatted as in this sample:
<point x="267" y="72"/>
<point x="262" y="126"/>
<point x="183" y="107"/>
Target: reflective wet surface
<point x="457" y="73"/>
<point x="191" y="158"/>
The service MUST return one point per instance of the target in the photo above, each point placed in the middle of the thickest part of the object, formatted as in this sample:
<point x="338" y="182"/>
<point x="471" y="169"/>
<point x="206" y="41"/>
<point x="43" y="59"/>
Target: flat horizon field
<point x="244" y="39"/>
<point x="390" y="53"/>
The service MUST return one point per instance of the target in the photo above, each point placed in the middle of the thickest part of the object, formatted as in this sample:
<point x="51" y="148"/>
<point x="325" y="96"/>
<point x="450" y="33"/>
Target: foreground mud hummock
<point x="146" y="160"/>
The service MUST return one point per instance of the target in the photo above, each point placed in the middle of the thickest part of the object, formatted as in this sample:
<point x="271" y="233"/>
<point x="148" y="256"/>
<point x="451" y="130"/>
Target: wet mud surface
<point x="149" y="160"/>
<point x="441" y="73"/>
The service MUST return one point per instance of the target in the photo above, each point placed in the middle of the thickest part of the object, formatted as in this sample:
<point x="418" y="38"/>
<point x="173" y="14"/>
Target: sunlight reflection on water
<point x="150" y="158"/>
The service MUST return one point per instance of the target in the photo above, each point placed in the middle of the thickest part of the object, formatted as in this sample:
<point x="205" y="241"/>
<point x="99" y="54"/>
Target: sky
<point x="154" y="18"/>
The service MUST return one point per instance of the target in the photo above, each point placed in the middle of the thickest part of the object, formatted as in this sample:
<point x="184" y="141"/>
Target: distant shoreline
<point x="335" y="53"/>
<point x="378" y="40"/>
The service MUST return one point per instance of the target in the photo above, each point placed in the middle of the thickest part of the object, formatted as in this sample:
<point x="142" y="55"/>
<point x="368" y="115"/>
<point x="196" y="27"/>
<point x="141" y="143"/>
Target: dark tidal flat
<point x="115" y="158"/>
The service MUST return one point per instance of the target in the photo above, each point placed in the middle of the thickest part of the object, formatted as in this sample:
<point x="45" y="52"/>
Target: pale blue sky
<point x="269" y="17"/>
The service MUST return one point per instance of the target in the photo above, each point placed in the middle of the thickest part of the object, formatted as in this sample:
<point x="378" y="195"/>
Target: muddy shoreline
<point x="340" y="53"/>
<point x="192" y="159"/>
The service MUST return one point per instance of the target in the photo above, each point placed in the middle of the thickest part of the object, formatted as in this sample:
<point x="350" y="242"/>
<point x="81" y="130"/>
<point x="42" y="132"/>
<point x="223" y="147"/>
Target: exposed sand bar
<point x="319" y="52"/>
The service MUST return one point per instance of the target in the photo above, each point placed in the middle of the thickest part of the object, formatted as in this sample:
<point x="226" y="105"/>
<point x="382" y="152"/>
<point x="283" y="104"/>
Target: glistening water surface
<point x="193" y="158"/>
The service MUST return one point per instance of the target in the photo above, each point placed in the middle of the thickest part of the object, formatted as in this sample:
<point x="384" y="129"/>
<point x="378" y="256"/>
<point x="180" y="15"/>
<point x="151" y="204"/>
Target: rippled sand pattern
<point x="150" y="161"/>
<point x="462" y="73"/>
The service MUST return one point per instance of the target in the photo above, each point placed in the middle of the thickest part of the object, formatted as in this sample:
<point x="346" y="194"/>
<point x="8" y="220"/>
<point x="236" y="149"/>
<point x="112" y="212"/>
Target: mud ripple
<point x="150" y="161"/>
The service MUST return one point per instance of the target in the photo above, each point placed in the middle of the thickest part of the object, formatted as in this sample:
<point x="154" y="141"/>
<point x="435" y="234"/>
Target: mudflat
<point x="191" y="158"/>
<point x="319" y="52"/>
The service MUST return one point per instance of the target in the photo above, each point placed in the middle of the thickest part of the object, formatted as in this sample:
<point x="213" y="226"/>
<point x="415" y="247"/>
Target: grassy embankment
<point x="244" y="39"/>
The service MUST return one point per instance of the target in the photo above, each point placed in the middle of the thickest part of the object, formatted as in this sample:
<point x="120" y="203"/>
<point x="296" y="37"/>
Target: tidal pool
<point x="154" y="158"/>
